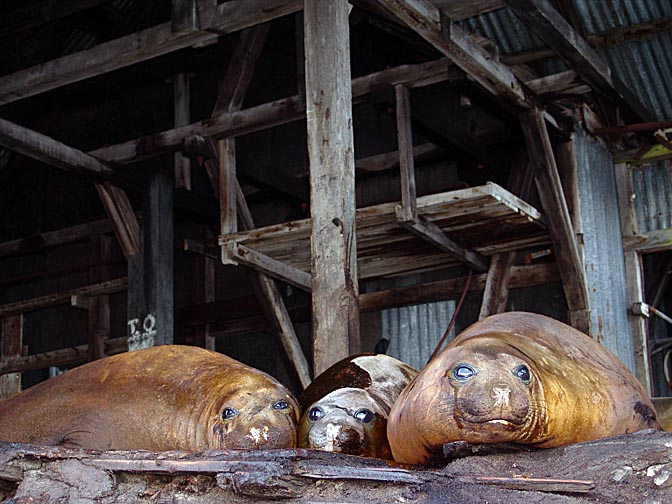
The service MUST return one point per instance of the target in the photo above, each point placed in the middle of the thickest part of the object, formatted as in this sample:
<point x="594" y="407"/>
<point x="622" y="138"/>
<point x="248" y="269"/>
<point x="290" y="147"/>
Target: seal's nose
<point x="259" y="436"/>
<point x="501" y="396"/>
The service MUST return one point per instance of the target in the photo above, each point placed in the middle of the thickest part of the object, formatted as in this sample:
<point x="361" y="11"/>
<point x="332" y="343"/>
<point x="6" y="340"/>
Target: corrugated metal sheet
<point x="653" y="203"/>
<point x="644" y="65"/>
<point x="414" y="331"/>
<point x="602" y="249"/>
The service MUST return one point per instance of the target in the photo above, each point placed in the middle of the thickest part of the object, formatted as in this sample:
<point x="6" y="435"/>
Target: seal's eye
<point x="463" y="372"/>
<point x="364" y="415"/>
<point x="280" y="405"/>
<point x="315" y="414"/>
<point x="229" y="413"/>
<point x="523" y="373"/>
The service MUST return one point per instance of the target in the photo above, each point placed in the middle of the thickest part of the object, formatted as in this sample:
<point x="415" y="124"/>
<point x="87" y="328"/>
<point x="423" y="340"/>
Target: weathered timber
<point x="123" y="218"/>
<point x="185" y="16"/>
<point x="458" y="45"/>
<point x="542" y="160"/>
<point x="560" y="84"/>
<point x="486" y="219"/>
<point x="389" y="160"/>
<point x="267" y="115"/>
<point x="181" y="103"/>
<point x="109" y="287"/>
<point x="457" y="10"/>
<point x="43" y="241"/>
<point x="618" y="469"/>
<point x="333" y="241"/>
<point x="239" y="315"/>
<point x="47" y="150"/>
<point x="147" y="44"/>
<point x="544" y="21"/>
<point x="12" y="345"/>
<point x="64" y="357"/>
<point x="99" y="307"/>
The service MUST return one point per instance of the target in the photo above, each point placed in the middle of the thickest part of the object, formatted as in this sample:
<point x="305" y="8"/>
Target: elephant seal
<point x="345" y="408"/>
<point x="516" y="378"/>
<point x="169" y="397"/>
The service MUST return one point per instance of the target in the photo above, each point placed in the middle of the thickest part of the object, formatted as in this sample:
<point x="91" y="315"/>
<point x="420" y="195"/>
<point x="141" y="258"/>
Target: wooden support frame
<point x="99" y="306"/>
<point x="12" y="348"/>
<point x="150" y="43"/>
<point x="552" y="197"/>
<point x="332" y="182"/>
<point x="407" y="212"/>
<point x="185" y="16"/>
<point x="181" y="104"/>
<point x="123" y="218"/>
<point x="546" y="23"/>
<point x="634" y="274"/>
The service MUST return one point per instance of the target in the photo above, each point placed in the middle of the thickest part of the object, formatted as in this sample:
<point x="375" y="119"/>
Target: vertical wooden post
<point x="409" y="211"/>
<point x="634" y="276"/>
<point x="542" y="161"/>
<point x="12" y="344"/>
<point x="150" y="274"/>
<point x="99" y="306"/>
<point x="181" y="103"/>
<point x="332" y="182"/>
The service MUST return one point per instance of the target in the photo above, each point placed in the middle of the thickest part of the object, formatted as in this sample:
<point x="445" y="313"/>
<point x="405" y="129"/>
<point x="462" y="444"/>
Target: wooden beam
<point x="60" y="358"/>
<point x="123" y="218"/>
<point x="215" y="20"/>
<point x="185" y="16"/>
<point x="109" y="287"/>
<point x="150" y="274"/>
<point x="458" y="10"/>
<point x="181" y="104"/>
<point x="37" y="14"/>
<point x="454" y="42"/>
<point x="236" y="253"/>
<point x="332" y="182"/>
<point x="389" y="160"/>
<point x="634" y="274"/>
<point x="267" y="115"/>
<point x="99" y="307"/>
<point x="47" y="150"/>
<point x="542" y="159"/>
<point x="409" y="210"/>
<point x="546" y="23"/>
<point x="12" y="346"/>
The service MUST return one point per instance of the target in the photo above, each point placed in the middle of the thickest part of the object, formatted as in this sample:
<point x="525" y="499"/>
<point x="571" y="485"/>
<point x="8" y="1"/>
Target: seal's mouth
<point x="501" y="421"/>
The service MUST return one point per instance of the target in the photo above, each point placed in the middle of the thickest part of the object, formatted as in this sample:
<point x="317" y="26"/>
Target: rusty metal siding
<point x="414" y="331"/>
<point x="602" y="248"/>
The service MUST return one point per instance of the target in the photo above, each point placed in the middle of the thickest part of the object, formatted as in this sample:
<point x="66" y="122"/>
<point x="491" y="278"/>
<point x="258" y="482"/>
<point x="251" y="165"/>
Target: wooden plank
<point x="332" y="182"/>
<point x="59" y="298"/>
<point x="47" y="150"/>
<point x="560" y="84"/>
<point x="546" y="23"/>
<point x="433" y="234"/>
<point x="99" y="308"/>
<point x="40" y="242"/>
<point x="185" y="16"/>
<point x="237" y="253"/>
<point x="64" y="357"/>
<point x="226" y="155"/>
<point x="123" y="218"/>
<point x="12" y="345"/>
<point x="409" y="210"/>
<point x="215" y="20"/>
<point x="458" y="10"/>
<point x="181" y="104"/>
<point x="267" y="115"/>
<point x="389" y="160"/>
<point x="552" y="197"/>
<point x="451" y="40"/>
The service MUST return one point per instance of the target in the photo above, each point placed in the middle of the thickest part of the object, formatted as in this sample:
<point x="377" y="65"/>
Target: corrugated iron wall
<point x="653" y="200"/>
<point x="414" y="331"/>
<point x="644" y="65"/>
<point x="603" y="249"/>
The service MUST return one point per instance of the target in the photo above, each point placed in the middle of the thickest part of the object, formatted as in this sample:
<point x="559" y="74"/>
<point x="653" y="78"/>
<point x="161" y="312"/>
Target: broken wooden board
<point x="630" y="468"/>
<point x="486" y="219"/>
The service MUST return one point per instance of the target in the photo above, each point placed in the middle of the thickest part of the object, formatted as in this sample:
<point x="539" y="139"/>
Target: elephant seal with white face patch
<point x="517" y="378"/>
<point x="169" y="397"/>
<point x="345" y="408"/>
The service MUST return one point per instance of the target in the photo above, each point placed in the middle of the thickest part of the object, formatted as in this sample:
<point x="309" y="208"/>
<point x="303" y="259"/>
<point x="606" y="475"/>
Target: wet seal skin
<point x="168" y="397"/>
<point x="519" y="378"/>
<point x="345" y="408"/>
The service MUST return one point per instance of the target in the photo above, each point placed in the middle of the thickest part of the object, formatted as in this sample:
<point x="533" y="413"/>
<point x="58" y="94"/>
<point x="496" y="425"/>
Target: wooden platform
<point x="486" y="219"/>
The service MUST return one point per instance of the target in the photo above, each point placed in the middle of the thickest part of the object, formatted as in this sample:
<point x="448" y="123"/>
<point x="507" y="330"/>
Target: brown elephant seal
<point x="345" y="408"/>
<point x="517" y="378"/>
<point x="161" y="398"/>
